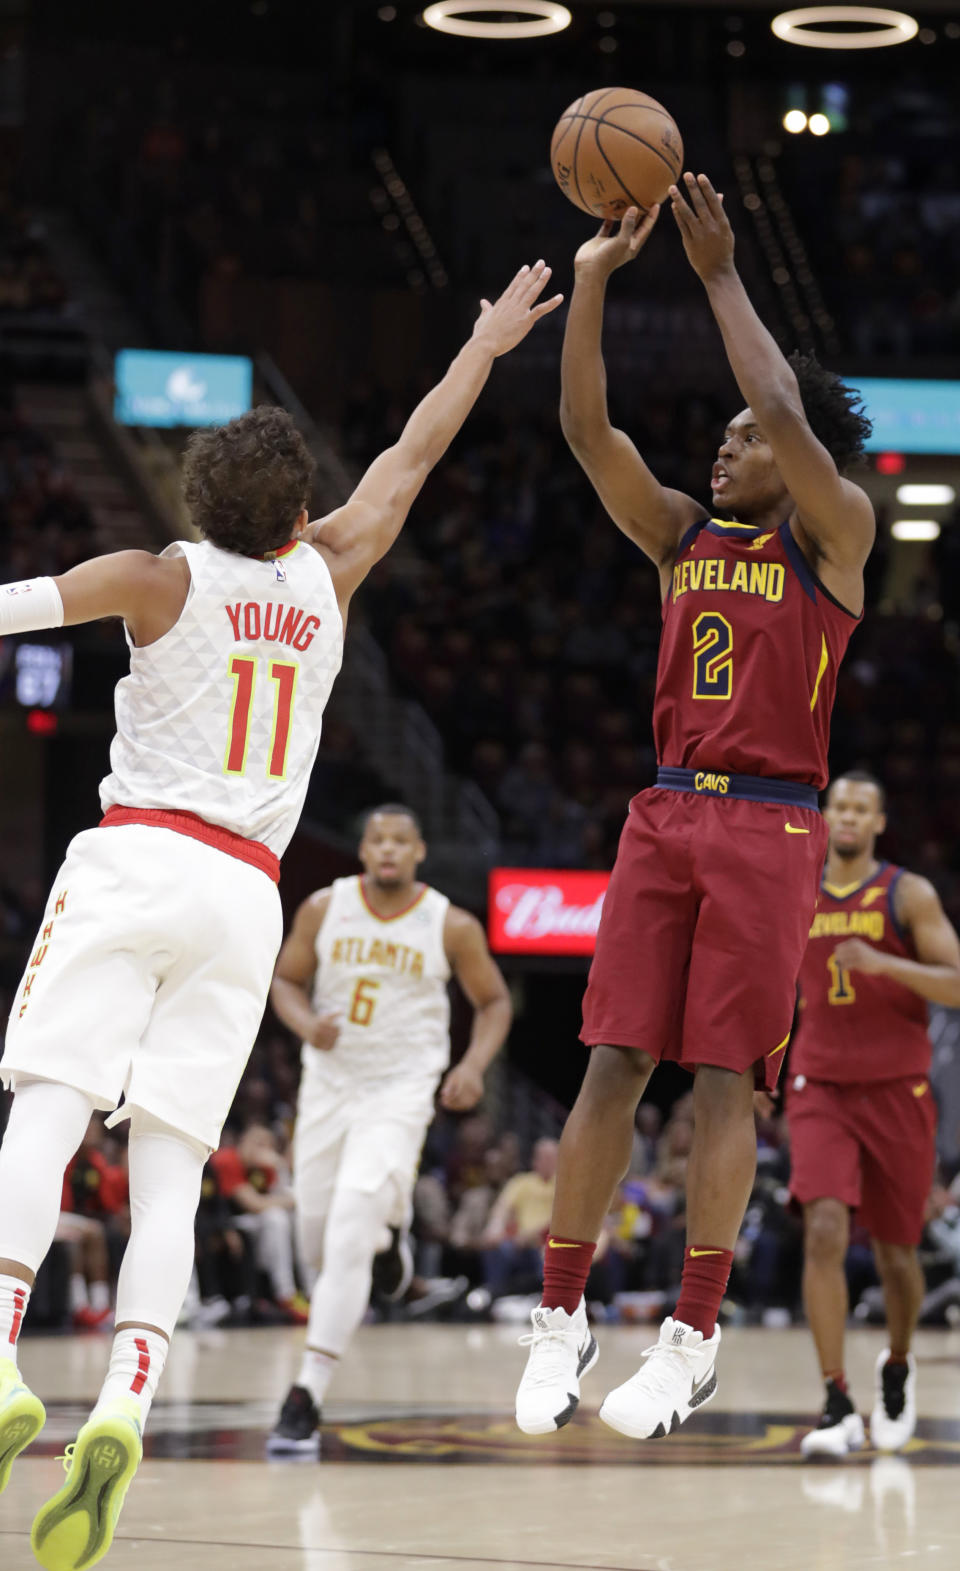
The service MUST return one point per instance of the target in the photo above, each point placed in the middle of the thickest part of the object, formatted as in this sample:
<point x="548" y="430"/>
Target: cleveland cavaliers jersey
<point x="749" y="655"/>
<point x="387" y="978"/>
<point x="853" y="1026"/>
<point x="222" y="715"/>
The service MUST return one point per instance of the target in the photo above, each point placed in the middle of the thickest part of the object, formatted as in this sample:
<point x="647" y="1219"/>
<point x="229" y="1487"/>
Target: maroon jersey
<point x="855" y="1027"/>
<point x="748" y="657"/>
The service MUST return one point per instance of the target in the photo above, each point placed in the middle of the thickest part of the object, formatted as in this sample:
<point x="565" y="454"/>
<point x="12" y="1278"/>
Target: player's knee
<point x="896" y="1261"/>
<point x="617" y="1074"/>
<point x="826" y="1232"/>
<point x="723" y="1094"/>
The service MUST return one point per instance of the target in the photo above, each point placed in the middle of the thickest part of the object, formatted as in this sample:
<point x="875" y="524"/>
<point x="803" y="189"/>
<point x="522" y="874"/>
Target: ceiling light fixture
<point x="456" y="16"/>
<point x="881" y="27"/>
<point x="915" y="529"/>
<point x="794" y="121"/>
<point x="819" y="125"/>
<point x="930" y="495"/>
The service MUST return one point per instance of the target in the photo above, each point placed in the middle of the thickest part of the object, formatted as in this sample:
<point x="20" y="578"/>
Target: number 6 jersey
<point x="748" y="657"/>
<point x="221" y="716"/>
<point x="387" y="979"/>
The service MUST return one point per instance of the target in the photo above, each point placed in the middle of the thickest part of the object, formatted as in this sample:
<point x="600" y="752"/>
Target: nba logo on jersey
<point x="279" y="570"/>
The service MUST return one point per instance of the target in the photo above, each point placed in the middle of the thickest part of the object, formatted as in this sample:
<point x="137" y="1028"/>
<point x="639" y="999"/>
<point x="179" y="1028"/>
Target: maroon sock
<point x="706" y="1271"/>
<point x="566" y="1266"/>
<point x="898" y="1358"/>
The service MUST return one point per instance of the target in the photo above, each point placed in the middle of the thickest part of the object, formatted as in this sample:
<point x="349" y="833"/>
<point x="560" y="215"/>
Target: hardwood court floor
<point x="423" y="1470"/>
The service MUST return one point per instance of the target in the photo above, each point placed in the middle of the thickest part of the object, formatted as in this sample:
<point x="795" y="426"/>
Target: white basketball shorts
<point x="149" y="976"/>
<point x="346" y="1140"/>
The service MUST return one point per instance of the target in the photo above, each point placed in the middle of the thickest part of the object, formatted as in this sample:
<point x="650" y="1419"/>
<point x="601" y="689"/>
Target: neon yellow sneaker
<point x="22" y="1416"/>
<point x="75" y="1529"/>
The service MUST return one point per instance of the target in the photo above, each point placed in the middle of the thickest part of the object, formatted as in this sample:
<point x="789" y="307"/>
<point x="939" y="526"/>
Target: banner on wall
<point x="543" y="911"/>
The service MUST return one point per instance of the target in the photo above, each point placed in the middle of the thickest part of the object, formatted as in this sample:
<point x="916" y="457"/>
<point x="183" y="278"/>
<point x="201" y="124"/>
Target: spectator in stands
<point x="95" y="1203"/>
<point x="253" y="1180"/>
<point x="514" y="1236"/>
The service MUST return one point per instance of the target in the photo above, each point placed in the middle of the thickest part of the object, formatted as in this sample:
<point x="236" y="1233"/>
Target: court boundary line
<point x="338" y="1549"/>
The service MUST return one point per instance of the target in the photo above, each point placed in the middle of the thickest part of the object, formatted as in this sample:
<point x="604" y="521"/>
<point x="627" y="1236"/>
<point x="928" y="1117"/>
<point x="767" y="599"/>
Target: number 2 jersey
<point x="854" y="1027"/>
<point x="221" y="717"/>
<point x="387" y="979"/>
<point x="749" y="654"/>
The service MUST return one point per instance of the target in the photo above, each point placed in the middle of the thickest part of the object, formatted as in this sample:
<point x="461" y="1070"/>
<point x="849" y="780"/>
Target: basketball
<point x="616" y="148"/>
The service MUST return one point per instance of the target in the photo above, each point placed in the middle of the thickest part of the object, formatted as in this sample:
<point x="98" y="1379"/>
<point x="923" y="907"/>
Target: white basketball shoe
<point x="562" y="1350"/>
<point x="678" y="1377"/>
<point x="839" y="1431"/>
<point x="894" y="1416"/>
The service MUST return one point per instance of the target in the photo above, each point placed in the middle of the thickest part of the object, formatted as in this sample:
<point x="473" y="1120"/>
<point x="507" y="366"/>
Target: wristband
<point x="29" y="605"/>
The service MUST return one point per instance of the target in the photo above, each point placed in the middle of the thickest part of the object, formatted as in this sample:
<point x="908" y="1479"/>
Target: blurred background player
<point x="862" y="1116"/>
<point x="720" y="862"/>
<point x="362" y="979"/>
<point x="154" y="959"/>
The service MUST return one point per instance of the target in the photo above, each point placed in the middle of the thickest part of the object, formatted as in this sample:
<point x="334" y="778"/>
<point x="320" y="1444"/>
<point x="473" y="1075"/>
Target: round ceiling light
<point x="880" y="27"/>
<point x="456" y="16"/>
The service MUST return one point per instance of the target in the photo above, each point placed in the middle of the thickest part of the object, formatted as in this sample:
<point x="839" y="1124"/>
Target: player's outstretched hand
<point x="856" y="955"/>
<point x="325" y="1030"/>
<point x="461" y="1090"/>
<point x="613" y="245"/>
<point x="501" y="325"/>
<point x="704" y="226"/>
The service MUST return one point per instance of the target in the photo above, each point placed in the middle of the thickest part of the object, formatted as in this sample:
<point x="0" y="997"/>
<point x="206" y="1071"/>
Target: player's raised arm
<point x="358" y="534"/>
<point x="146" y="591"/>
<point x="935" y="973"/>
<point x="294" y="972"/>
<point x="652" y="515"/>
<point x="834" y="516"/>
<point x="482" y="981"/>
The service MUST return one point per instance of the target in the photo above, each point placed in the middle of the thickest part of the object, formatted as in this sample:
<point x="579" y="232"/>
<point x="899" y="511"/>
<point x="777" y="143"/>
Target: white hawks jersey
<point x="387" y="978"/>
<point x="221" y="716"/>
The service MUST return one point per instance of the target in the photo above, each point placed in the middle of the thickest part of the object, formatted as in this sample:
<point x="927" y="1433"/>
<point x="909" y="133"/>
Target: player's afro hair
<point x="245" y="482"/>
<point x="834" y="411"/>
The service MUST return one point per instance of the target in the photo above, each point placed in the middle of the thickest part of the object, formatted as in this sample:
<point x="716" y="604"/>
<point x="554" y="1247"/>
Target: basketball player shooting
<point x="710" y="902"/>
<point x="362" y="980"/>
<point x="153" y="962"/>
<point x="863" y="1121"/>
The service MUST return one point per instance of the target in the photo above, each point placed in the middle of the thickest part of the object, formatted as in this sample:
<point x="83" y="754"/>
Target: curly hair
<point x="245" y="482"/>
<point x="834" y="411"/>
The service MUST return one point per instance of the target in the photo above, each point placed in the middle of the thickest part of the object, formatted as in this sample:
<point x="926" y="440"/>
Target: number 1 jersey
<point x="221" y="717"/>
<point x="749" y="655"/>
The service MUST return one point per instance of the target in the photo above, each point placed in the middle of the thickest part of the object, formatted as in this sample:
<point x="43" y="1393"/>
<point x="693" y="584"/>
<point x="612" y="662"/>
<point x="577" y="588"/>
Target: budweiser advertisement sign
<point x="539" y="911"/>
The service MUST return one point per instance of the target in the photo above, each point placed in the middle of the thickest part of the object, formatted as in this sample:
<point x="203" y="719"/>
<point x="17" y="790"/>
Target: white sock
<point x="136" y="1364"/>
<point x="14" y="1297"/>
<point x="99" y="1297"/>
<point x="316" y="1373"/>
<point x="78" y="1292"/>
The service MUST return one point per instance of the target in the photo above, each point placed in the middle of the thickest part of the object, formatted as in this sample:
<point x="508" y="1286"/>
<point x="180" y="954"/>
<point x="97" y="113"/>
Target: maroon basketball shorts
<point x="705" y="923"/>
<point x="871" y="1146"/>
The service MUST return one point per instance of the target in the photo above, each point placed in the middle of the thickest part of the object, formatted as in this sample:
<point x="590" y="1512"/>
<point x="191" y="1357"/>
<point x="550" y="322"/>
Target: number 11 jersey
<point x="221" y="717"/>
<point x="751" y="645"/>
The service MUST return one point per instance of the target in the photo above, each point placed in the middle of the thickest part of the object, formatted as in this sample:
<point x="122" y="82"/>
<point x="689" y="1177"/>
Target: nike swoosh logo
<point x="698" y="1384"/>
<point x="696" y="1253"/>
<point x="792" y="831"/>
<point x="919" y="1090"/>
<point x="552" y="1244"/>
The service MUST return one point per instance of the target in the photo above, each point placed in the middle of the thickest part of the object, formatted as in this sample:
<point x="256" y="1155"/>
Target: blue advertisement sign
<point x="911" y="416"/>
<point x="160" y="387"/>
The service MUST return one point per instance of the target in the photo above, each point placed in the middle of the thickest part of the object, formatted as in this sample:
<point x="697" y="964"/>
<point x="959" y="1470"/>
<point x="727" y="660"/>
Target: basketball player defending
<point x="713" y="891"/>
<point x="362" y="980"/>
<point x="862" y="1116"/>
<point x="152" y="966"/>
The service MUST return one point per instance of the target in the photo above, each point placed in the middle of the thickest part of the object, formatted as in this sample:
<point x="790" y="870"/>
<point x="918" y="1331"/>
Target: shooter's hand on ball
<point x="325" y="1030"/>
<point x="855" y="955"/>
<point x="462" y="1089"/>
<point x="502" y="324"/>
<point x="704" y="227"/>
<point x="614" y="244"/>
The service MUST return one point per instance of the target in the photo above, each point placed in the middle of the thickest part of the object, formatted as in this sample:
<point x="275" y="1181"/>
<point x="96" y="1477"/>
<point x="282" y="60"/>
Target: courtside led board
<point x="542" y="911"/>
<point x="162" y="388"/>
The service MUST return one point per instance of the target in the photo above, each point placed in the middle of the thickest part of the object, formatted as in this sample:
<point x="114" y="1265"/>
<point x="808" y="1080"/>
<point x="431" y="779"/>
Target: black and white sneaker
<point x="393" y="1268"/>
<point x="562" y="1350"/>
<point x="297" y="1430"/>
<point x="840" y="1429"/>
<point x="894" y="1416"/>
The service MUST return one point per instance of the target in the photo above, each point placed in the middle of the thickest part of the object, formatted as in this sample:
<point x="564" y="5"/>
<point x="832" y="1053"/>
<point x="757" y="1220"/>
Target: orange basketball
<point x="616" y="148"/>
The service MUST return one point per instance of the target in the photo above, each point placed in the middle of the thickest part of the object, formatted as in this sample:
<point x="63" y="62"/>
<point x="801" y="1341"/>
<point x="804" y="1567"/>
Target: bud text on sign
<point x="544" y="911"/>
